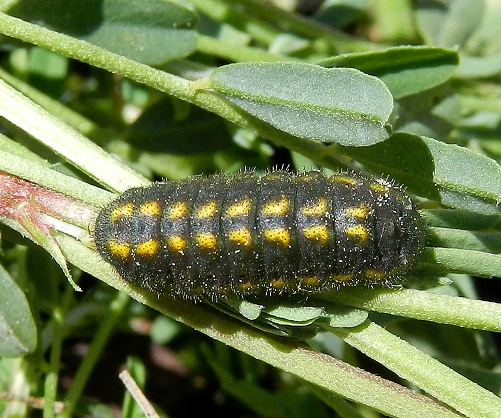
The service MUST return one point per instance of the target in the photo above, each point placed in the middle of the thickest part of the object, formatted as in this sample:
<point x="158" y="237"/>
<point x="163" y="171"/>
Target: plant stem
<point x="95" y="349"/>
<point x="59" y="332"/>
<point x="429" y="374"/>
<point x="262" y="32"/>
<point x="236" y="53"/>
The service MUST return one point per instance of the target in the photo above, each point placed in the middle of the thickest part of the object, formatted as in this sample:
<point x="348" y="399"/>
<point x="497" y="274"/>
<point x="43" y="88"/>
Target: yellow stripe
<point x="379" y="188"/>
<point x="121" y="211"/>
<point x="317" y="209"/>
<point x="278" y="235"/>
<point x="150" y="208"/>
<point x="276" y="207"/>
<point x="206" y="240"/>
<point x="148" y="248"/>
<point x="359" y="232"/>
<point x="278" y="283"/>
<point x="342" y="277"/>
<point x="309" y="281"/>
<point x="177" y="210"/>
<point x="119" y="249"/>
<point x="176" y="244"/>
<point x="240" y="208"/>
<point x="343" y="180"/>
<point x="374" y="274"/>
<point x="241" y="236"/>
<point x="359" y="212"/>
<point x="207" y="211"/>
<point x="318" y="233"/>
<point x="245" y="286"/>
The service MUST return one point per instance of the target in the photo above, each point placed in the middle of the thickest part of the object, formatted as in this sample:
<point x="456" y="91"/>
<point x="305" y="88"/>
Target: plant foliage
<point x="99" y="96"/>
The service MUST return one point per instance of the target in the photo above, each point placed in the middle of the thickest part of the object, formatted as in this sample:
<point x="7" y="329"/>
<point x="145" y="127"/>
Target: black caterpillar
<point x="279" y="233"/>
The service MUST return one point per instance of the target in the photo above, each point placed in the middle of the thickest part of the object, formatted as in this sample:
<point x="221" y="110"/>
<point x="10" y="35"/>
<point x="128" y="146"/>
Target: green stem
<point x="317" y="368"/>
<point x="95" y="349"/>
<point x="220" y="12"/>
<point x="475" y="263"/>
<point x="429" y="374"/>
<point x="307" y="27"/>
<point x="426" y="306"/>
<point x="235" y="53"/>
<point x="63" y="140"/>
<point x="59" y="332"/>
<point x="70" y="117"/>
<point x="160" y="80"/>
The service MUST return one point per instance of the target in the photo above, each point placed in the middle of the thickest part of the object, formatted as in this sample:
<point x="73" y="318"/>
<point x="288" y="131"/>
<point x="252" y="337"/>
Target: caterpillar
<point x="278" y="233"/>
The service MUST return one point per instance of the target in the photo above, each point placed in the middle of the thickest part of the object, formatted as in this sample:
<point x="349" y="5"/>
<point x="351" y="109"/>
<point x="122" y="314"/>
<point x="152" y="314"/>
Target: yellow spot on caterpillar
<point x="318" y="233"/>
<point x="151" y="208"/>
<point x="148" y="248"/>
<point x="119" y="249"/>
<point x="245" y="286"/>
<point x="342" y="277"/>
<point x="373" y="274"/>
<point x="278" y="283"/>
<point x="241" y="236"/>
<point x="121" y="211"/>
<point x="276" y="207"/>
<point x="343" y="180"/>
<point x="309" y="281"/>
<point x="207" y="211"/>
<point x="241" y="208"/>
<point x="317" y="209"/>
<point x="206" y="240"/>
<point x="177" y="210"/>
<point x="359" y="232"/>
<point x="359" y="212"/>
<point x="279" y="235"/>
<point x="379" y="188"/>
<point x="176" y="244"/>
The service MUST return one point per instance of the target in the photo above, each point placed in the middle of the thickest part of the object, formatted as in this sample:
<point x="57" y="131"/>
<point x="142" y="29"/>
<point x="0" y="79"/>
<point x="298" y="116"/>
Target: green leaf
<point x="292" y="314"/>
<point x="339" y="105"/>
<point x="343" y="316"/>
<point x="339" y="13"/>
<point x="130" y="408"/>
<point x="77" y="149"/>
<point x="18" y="334"/>
<point x="427" y="373"/>
<point x="453" y="175"/>
<point x="249" y="310"/>
<point x="149" y="31"/>
<point x="475" y="263"/>
<point x="467" y="240"/>
<point x="422" y="305"/>
<point x="459" y="219"/>
<point x="405" y="70"/>
<point x="449" y="26"/>
<point x="473" y="67"/>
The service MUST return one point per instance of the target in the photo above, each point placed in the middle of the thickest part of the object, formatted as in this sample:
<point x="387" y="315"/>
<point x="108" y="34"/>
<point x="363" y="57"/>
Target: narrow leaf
<point x="430" y="375"/>
<point x="423" y="305"/>
<point x="18" y="334"/>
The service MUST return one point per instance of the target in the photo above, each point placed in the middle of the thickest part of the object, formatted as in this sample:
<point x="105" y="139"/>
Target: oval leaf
<point x="448" y="173"/>
<point x="338" y="316"/>
<point x="340" y="105"/>
<point x="405" y="70"/>
<point x="451" y="23"/>
<point x="18" y="334"/>
<point x="149" y="31"/>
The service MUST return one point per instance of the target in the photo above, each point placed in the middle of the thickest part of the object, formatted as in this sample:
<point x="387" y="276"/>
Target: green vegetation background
<point x="110" y="94"/>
